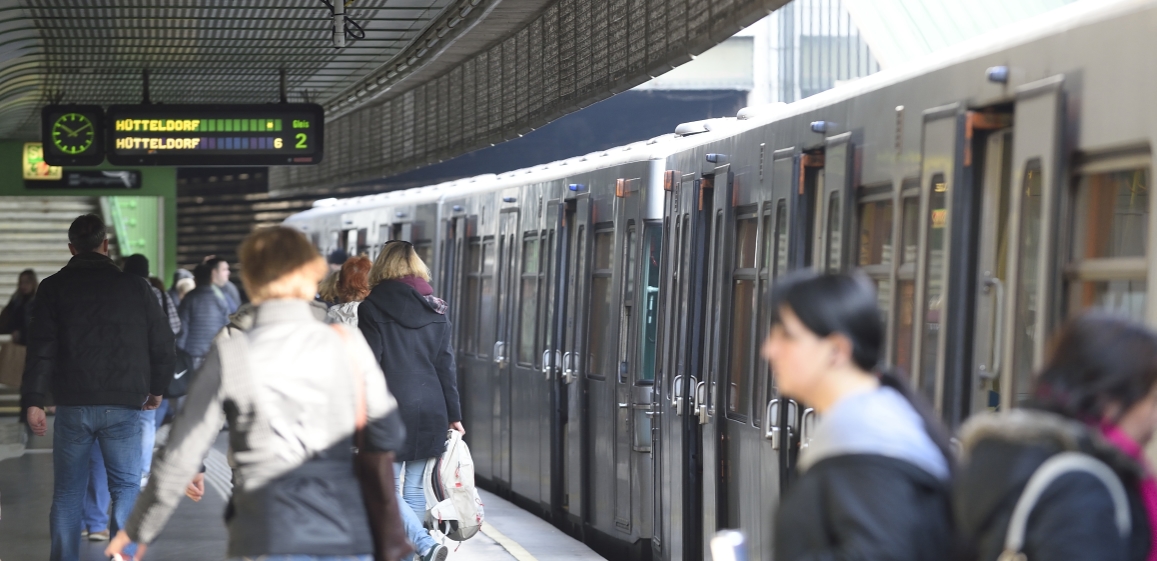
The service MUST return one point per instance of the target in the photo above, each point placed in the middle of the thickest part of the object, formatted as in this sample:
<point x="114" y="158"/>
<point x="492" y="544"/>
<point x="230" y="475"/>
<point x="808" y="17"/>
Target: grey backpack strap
<point x="1045" y="475"/>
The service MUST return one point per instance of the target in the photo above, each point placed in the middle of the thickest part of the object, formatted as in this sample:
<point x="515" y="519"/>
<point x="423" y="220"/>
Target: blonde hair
<point x="327" y="290"/>
<point x="184" y="286"/>
<point x="398" y="259"/>
<point x="279" y="262"/>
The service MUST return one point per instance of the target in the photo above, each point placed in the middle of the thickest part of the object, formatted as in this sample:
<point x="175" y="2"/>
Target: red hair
<point x="353" y="283"/>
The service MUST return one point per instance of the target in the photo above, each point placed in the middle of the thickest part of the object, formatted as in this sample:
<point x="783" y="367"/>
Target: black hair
<point x="834" y="303"/>
<point x="845" y="303"/>
<point x="86" y="233"/>
<point x="214" y="262"/>
<point x="1097" y="360"/>
<point x="137" y="264"/>
<point x="28" y="273"/>
<point x="203" y="274"/>
<point x="337" y="257"/>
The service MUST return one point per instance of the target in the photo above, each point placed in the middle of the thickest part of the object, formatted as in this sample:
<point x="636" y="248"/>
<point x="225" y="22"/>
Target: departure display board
<point x="214" y="135"/>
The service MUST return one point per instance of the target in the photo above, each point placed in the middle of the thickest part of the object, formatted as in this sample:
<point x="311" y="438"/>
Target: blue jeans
<point x="96" y="498"/>
<point x="413" y="493"/>
<point x="306" y="558"/>
<point x="118" y="431"/>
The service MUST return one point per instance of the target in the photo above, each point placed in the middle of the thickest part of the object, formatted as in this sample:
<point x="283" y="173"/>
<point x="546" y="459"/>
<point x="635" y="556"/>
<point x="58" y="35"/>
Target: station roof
<point x="431" y="79"/>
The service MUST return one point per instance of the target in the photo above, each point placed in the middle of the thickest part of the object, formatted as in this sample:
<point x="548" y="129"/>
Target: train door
<point x="600" y="368"/>
<point x="714" y="439"/>
<point x="529" y="391"/>
<point x="575" y="362"/>
<point x="679" y="517"/>
<point x="507" y="281"/>
<point x="559" y="238"/>
<point x="1019" y="291"/>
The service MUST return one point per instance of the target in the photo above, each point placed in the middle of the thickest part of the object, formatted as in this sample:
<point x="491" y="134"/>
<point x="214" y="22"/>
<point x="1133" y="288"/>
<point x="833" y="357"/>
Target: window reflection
<point x="1117" y="213"/>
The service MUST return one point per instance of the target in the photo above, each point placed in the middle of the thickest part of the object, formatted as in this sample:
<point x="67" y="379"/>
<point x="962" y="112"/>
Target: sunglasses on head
<point x="406" y="243"/>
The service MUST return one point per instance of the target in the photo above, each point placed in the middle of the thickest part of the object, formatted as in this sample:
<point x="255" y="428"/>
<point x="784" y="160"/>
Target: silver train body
<point x="609" y="308"/>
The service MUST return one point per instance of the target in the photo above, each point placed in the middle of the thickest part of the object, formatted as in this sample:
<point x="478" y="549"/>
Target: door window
<point x="648" y="333"/>
<point x="528" y="300"/>
<point x="1027" y="285"/>
<point x="742" y="315"/>
<point x="469" y="328"/>
<point x="934" y="269"/>
<point x="906" y="285"/>
<point x="834" y="248"/>
<point x="599" y="333"/>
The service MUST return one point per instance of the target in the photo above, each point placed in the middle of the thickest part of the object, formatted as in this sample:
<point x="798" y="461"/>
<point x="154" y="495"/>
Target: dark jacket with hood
<point x="873" y="486"/>
<point x="410" y="335"/>
<point x="1073" y="521"/>
<point x="97" y="337"/>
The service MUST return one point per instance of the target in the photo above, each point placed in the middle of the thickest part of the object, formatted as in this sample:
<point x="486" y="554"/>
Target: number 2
<point x="301" y="140"/>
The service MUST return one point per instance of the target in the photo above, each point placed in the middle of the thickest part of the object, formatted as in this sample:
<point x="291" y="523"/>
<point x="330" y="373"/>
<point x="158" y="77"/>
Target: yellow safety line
<point x="520" y="553"/>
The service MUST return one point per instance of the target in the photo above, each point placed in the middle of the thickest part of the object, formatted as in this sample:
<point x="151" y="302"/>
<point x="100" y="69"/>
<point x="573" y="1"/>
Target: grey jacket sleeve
<point x="193" y="433"/>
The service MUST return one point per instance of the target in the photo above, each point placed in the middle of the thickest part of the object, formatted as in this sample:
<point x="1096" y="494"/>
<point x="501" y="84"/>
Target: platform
<point x="197" y="530"/>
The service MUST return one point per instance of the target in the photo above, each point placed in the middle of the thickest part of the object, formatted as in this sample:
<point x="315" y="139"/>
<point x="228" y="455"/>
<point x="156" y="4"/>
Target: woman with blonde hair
<point x="407" y="329"/>
<point x="289" y="388"/>
<point x="353" y="285"/>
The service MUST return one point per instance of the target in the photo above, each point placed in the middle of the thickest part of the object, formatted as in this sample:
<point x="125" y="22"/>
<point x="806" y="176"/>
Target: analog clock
<point x="73" y="133"/>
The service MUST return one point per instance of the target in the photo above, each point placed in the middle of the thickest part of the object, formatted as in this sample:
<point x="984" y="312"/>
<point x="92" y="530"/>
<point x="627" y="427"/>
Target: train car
<point x="609" y="308"/>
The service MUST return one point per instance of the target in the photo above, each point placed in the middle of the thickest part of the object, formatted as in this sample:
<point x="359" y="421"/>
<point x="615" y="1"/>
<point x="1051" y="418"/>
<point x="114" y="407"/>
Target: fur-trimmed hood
<point x="1001" y="451"/>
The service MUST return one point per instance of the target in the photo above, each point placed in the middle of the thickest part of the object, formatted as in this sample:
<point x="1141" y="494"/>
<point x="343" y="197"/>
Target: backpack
<point x="453" y="506"/>
<point x="1048" y="472"/>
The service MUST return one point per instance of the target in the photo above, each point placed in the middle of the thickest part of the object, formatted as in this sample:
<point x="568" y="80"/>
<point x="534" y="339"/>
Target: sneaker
<point x="436" y="553"/>
<point x="84" y="533"/>
<point x="101" y="536"/>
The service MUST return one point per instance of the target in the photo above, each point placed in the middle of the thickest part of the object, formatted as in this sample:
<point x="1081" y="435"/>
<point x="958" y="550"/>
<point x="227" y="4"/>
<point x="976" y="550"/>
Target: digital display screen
<point x="215" y="135"/>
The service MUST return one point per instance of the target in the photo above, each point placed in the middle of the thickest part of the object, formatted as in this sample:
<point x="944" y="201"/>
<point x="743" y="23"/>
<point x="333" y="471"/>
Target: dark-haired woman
<point x="874" y="480"/>
<point x="1097" y="395"/>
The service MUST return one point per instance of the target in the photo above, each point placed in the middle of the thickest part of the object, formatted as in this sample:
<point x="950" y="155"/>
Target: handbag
<point x="184" y="371"/>
<point x="375" y="472"/>
<point x="12" y="357"/>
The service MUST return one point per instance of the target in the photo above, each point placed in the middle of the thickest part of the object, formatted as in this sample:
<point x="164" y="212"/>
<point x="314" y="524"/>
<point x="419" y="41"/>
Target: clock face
<point x="73" y="133"/>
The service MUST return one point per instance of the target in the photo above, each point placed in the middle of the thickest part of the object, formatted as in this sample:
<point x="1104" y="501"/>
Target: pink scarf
<point x="1148" y="484"/>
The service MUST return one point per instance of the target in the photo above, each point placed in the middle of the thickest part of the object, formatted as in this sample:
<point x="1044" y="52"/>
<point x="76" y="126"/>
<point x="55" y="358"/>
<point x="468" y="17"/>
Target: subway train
<point x="609" y="308"/>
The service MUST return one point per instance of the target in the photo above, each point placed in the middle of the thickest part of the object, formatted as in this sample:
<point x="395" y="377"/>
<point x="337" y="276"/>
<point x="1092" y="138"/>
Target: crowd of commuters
<point x="301" y="368"/>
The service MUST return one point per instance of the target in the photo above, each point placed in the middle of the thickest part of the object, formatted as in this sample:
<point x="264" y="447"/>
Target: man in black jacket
<point x="100" y="343"/>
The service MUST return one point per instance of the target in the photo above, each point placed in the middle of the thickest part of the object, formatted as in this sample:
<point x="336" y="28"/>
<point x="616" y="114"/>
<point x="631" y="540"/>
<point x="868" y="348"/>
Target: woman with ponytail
<point x="874" y="481"/>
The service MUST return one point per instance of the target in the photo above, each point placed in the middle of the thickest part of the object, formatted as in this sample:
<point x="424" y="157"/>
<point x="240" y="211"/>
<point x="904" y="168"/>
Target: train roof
<point x="697" y="133"/>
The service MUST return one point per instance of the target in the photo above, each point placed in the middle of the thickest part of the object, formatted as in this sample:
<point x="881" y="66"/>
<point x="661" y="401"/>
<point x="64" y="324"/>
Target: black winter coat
<point x="411" y="341"/>
<point x="1073" y="520"/>
<point x="864" y="507"/>
<point x="97" y="337"/>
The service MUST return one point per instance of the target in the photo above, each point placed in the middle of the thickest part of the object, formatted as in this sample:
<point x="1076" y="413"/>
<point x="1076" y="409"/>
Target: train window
<point x="488" y="301"/>
<point x="528" y="300"/>
<point x="780" y="239"/>
<point x="1113" y="231"/>
<point x="652" y="248"/>
<point x="906" y="285"/>
<point x="934" y="277"/>
<point x="742" y="315"/>
<point x="469" y="328"/>
<point x="875" y="255"/>
<point x="425" y="251"/>
<point x="628" y="302"/>
<point x="745" y="243"/>
<point x="599" y="342"/>
<point x="363" y="244"/>
<point x="1116" y="213"/>
<point x="545" y="291"/>
<point x="1027" y="302"/>
<point x="834" y="250"/>
<point x="631" y="259"/>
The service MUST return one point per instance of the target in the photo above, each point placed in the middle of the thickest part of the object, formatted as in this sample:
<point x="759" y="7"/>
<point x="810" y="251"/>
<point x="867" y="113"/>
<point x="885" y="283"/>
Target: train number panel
<point x="215" y="135"/>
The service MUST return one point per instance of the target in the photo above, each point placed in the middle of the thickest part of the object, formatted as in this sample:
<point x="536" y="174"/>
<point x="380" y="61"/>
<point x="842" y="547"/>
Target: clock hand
<point x="77" y="131"/>
<point x="66" y="129"/>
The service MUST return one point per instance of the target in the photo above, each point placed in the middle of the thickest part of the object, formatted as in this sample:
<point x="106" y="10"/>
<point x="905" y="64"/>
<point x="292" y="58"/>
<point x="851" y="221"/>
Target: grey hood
<point x="879" y="422"/>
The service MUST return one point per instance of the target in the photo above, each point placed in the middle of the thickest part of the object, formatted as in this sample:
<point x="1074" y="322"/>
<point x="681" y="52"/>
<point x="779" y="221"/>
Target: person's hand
<point x="119" y="543"/>
<point x="153" y="402"/>
<point x="196" y="488"/>
<point x="457" y="425"/>
<point x="38" y="421"/>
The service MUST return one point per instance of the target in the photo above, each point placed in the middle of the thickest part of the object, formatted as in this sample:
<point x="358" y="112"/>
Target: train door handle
<point x="499" y="354"/>
<point x="676" y="399"/>
<point x="772" y="419"/>
<point x="992" y="369"/>
<point x="550" y="362"/>
<point x="568" y="374"/>
<point x="806" y="427"/>
<point x="702" y="408"/>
